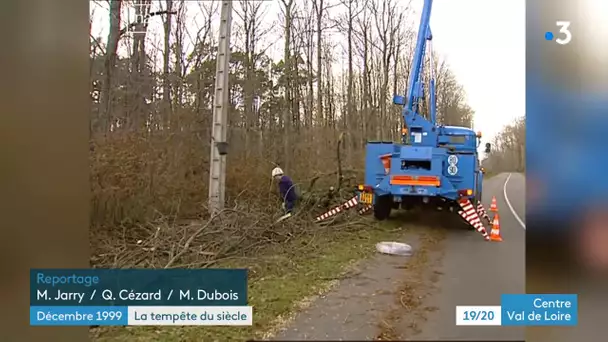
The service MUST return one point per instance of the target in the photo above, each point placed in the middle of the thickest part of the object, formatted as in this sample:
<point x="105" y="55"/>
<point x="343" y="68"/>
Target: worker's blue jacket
<point x="288" y="192"/>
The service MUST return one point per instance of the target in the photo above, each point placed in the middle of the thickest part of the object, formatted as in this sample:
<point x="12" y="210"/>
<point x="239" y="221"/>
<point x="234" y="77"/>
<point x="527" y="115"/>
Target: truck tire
<point x="383" y="207"/>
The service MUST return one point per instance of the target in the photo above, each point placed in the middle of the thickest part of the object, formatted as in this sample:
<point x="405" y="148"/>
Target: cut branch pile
<point x="235" y="232"/>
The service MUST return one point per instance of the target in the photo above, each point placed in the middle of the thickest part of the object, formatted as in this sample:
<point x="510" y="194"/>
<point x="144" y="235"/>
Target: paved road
<point x="477" y="274"/>
<point x="459" y="269"/>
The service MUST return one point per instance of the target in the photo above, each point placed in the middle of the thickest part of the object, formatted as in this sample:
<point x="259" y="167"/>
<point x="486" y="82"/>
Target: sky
<point x="483" y="41"/>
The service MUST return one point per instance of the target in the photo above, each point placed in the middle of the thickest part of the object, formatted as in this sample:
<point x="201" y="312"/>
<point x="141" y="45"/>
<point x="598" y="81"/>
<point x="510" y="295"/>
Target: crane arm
<point x="415" y="86"/>
<point x="416" y="123"/>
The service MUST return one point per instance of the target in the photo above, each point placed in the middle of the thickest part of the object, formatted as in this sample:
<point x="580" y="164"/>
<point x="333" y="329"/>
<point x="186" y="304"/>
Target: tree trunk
<point x="319" y="10"/>
<point x="287" y="113"/>
<point x="104" y="121"/>
<point x="166" y="107"/>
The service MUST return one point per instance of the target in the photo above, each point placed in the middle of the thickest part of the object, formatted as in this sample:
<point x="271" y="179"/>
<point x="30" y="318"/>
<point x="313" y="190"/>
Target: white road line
<point x="504" y="192"/>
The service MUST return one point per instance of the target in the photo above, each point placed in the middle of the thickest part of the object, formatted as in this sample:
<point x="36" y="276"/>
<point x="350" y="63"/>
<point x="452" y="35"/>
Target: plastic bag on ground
<point x="394" y="248"/>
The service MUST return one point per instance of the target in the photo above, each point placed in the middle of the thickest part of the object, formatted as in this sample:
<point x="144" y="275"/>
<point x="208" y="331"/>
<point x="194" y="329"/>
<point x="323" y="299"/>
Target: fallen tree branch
<point x="189" y="241"/>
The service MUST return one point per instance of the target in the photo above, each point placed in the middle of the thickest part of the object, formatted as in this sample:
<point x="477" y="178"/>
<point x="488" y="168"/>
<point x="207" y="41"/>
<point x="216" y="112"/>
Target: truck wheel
<point x="382" y="208"/>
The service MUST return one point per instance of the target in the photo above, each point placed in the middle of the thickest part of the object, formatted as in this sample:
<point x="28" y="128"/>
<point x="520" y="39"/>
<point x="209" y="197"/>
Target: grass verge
<point x="281" y="281"/>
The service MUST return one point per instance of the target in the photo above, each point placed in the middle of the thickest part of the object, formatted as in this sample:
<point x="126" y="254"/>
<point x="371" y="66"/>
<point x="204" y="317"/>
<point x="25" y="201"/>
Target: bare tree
<point x="251" y="16"/>
<point x="451" y="100"/>
<point x="353" y="10"/>
<point x="388" y="21"/>
<point x="136" y="114"/>
<point x="307" y="19"/>
<point x="180" y="58"/>
<point x="364" y="38"/>
<point x="202" y="51"/>
<point x="104" y="117"/>
<point x="166" y="58"/>
<point x="508" y="149"/>
<point x="288" y="12"/>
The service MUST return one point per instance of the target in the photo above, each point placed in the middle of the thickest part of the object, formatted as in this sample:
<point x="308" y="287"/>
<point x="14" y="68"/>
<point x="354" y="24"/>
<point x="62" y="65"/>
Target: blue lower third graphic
<point x="78" y="315"/>
<point x="539" y="309"/>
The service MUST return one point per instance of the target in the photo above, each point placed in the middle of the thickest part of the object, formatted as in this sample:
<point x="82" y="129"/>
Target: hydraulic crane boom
<point x="421" y="130"/>
<point x="437" y="165"/>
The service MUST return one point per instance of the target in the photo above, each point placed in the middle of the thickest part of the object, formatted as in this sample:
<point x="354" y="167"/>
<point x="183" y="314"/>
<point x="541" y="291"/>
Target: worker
<point x="286" y="188"/>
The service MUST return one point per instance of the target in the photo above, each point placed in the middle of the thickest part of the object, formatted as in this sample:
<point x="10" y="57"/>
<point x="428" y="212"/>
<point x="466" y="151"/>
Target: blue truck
<point x="434" y="165"/>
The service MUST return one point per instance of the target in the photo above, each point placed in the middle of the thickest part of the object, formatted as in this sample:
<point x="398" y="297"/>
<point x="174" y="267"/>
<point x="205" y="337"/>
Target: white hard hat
<point x="277" y="171"/>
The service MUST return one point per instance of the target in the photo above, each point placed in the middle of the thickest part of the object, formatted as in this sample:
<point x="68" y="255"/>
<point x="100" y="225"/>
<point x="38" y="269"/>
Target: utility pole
<point x="219" y="145"/>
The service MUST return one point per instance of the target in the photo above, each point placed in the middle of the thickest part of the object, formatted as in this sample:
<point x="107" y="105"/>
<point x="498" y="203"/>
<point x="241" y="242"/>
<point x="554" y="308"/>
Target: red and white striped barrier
<point x="351" y="203"/>
<point x="469" y="213"/>
<point x="365" y="209"/>
<point x="482" y="212"/>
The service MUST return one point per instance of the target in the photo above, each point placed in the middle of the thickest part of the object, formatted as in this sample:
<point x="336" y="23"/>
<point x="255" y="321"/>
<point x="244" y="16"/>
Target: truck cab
<point x="461" y="144"/>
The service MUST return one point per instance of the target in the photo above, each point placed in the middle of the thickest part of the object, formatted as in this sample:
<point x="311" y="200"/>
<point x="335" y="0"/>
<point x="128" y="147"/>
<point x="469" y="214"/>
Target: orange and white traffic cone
<point x="493" y="205"/>
<point x="495" y="232"/>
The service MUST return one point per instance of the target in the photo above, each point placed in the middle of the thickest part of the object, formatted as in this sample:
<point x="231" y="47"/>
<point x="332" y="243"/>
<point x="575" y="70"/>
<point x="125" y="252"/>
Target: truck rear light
<point x="416" y="180"/>
<point x="386" y="162"/>
<point x="428" y="178"/>
<point x="365" y="188"/>
<point x="465" y="192"/>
